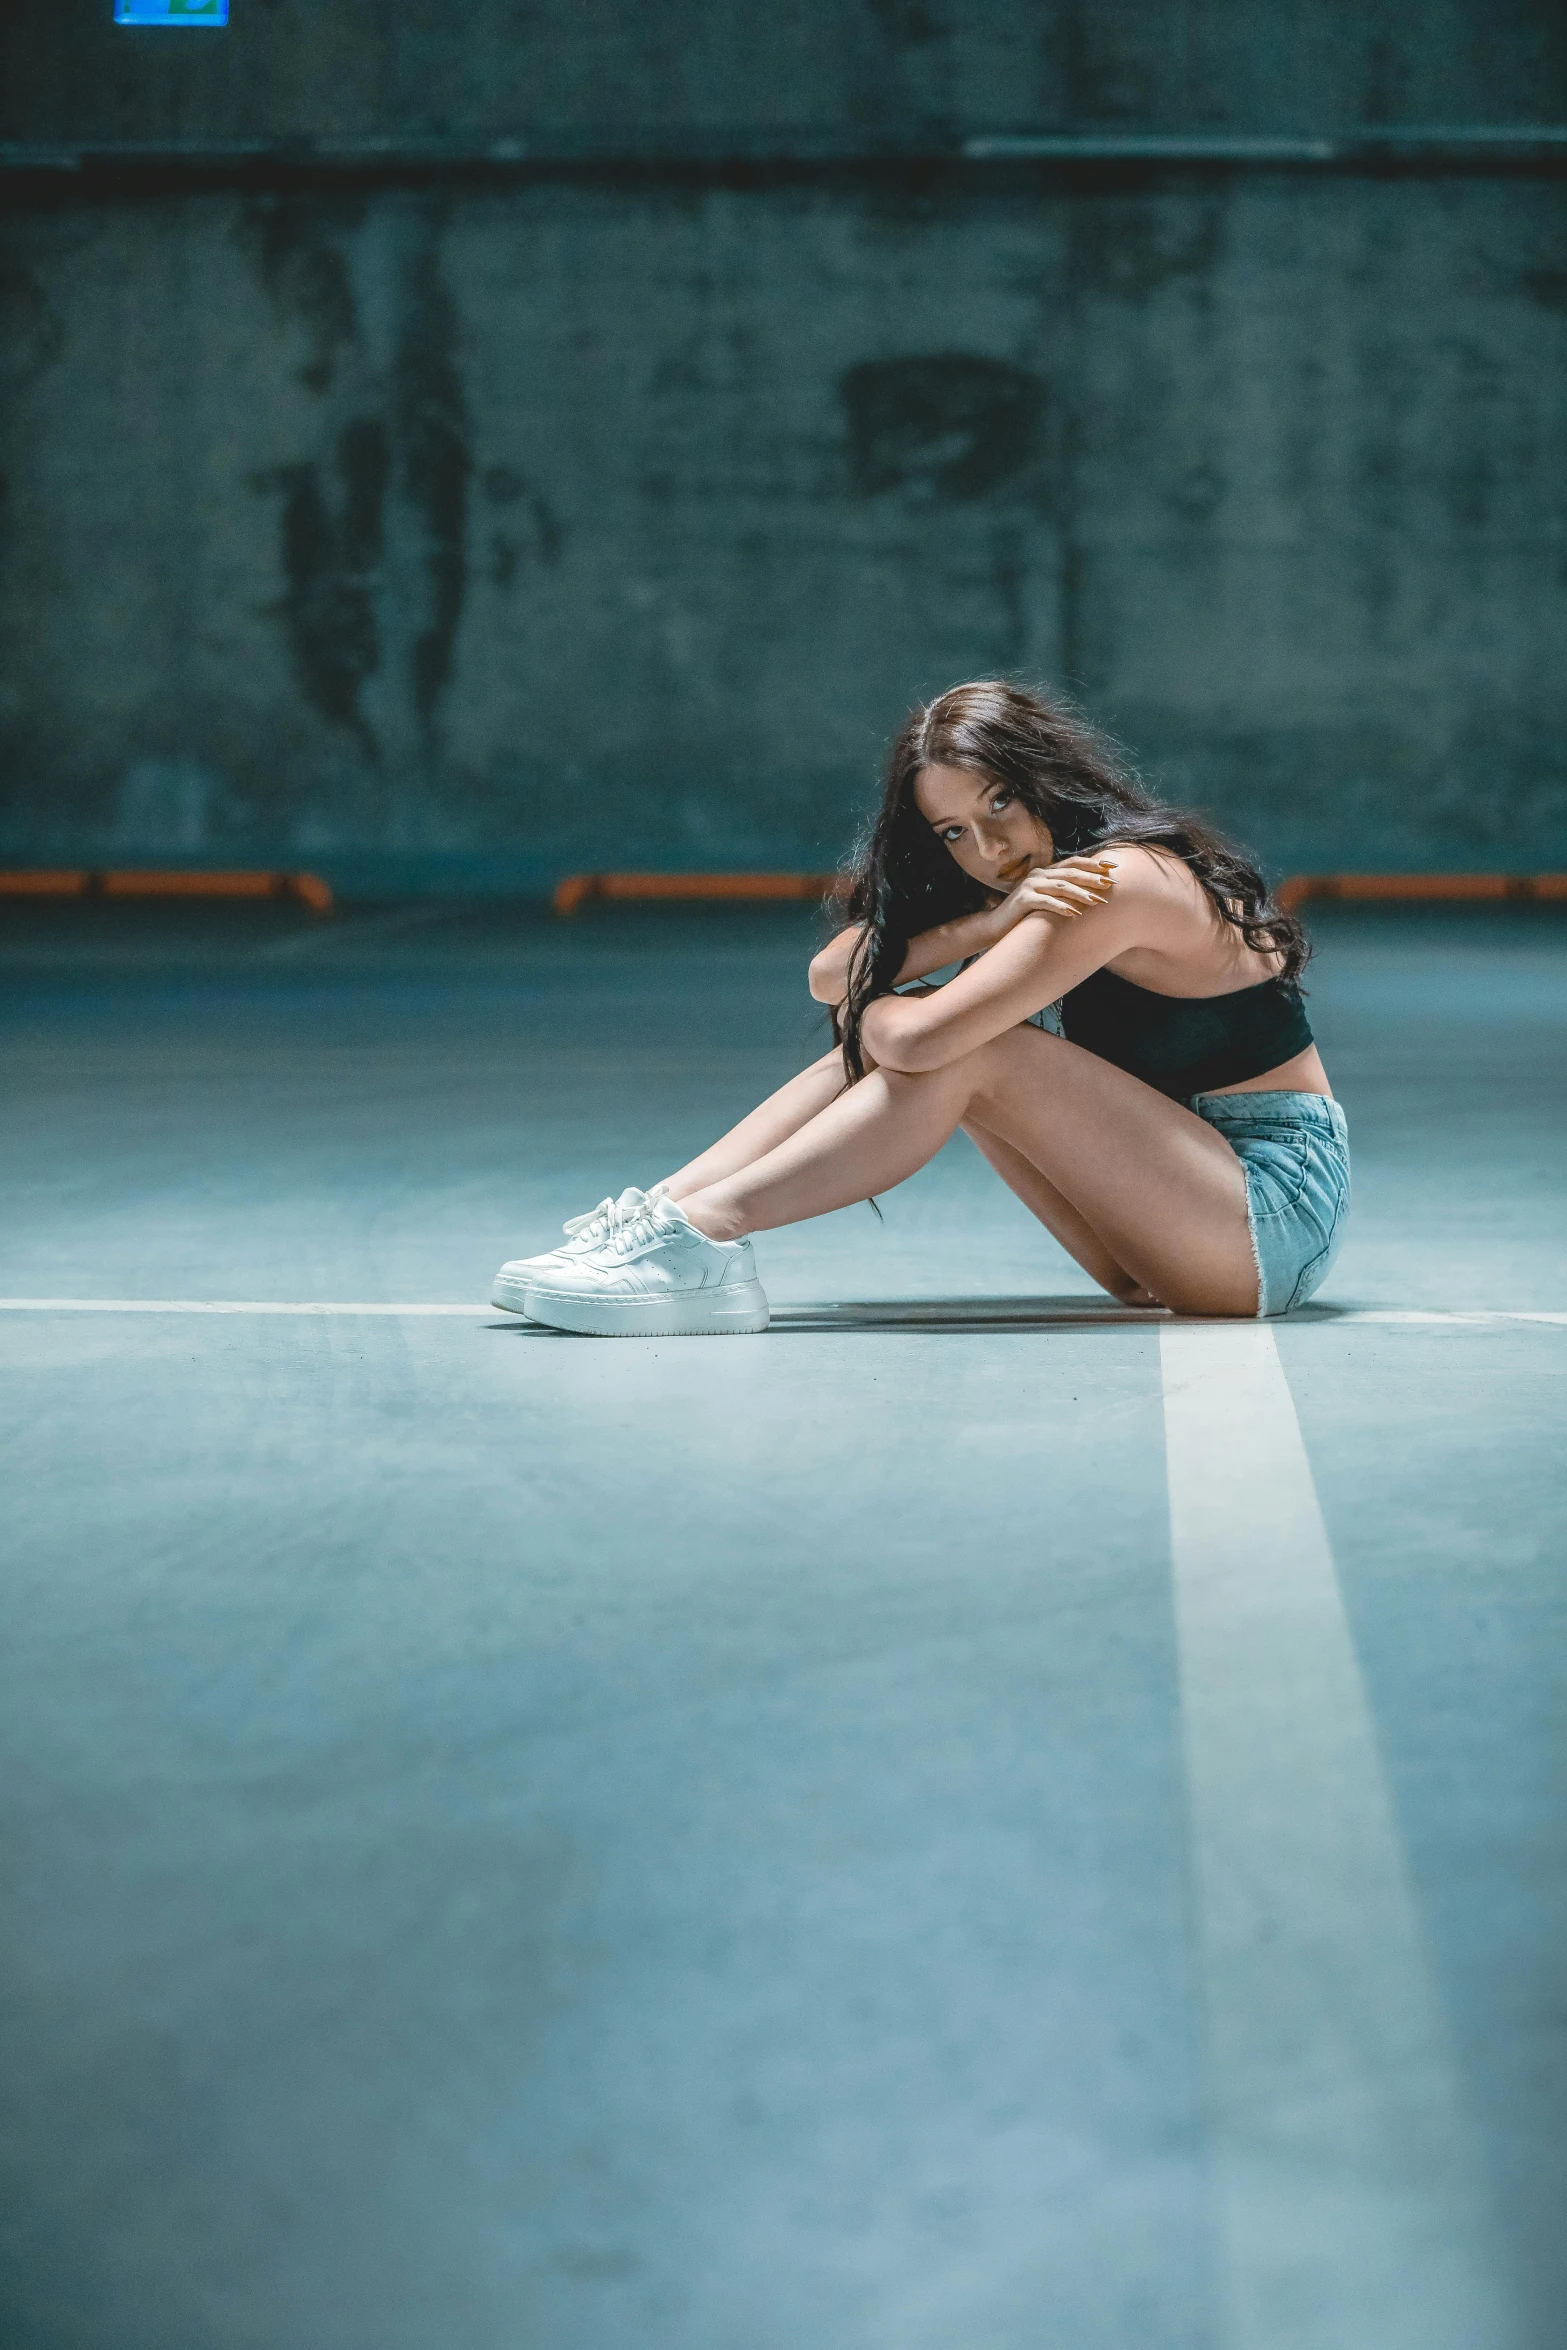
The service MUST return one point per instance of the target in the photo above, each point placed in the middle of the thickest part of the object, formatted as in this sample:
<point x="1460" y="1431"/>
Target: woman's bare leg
<point x="783" y="1113"/>
<point x="1057" y="1214"/>
<point x="1162" y="1191"/>
<point x="794" y="1105"/>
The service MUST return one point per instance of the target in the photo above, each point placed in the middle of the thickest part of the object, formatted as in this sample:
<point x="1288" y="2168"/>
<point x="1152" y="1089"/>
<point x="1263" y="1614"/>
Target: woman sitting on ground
<point x="1178" y="1136"/>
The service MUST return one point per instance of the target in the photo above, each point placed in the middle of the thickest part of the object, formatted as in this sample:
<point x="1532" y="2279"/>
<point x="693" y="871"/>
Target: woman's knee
<point x="993" y="1073"/>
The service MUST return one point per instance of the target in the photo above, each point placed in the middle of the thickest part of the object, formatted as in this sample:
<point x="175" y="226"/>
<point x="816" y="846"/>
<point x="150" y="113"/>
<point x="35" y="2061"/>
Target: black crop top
<point x="1182" y="1044"/>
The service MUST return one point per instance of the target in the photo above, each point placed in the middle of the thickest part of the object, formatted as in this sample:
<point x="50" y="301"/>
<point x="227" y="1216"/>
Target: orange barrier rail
<point x="309" y="888"/>
<point x="578" y="888"/>
<point x="1301" y="886"/>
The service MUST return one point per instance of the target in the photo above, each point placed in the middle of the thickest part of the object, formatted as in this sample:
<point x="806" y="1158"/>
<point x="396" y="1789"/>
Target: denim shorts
<point x="1294" y="1150"/>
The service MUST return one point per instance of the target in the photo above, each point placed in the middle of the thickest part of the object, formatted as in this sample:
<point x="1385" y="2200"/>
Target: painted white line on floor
<point x="197" y="1305"/>
<point x="1478" y="1316"/>
<point x="1347" y="2206"/>
<point x="969" y="1312"/>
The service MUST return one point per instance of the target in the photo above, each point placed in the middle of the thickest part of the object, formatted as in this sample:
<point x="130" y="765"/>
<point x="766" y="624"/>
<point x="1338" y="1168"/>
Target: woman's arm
<point x="1069" y="887"/>
<point x="950" y="942"/>
<point x="1038" y="961"/>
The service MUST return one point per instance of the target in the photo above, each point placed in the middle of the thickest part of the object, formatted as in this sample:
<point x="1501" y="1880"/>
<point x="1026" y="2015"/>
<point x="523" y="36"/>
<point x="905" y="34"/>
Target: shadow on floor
<point x="937" y="1313"/>
<point x="967" y="1313"/>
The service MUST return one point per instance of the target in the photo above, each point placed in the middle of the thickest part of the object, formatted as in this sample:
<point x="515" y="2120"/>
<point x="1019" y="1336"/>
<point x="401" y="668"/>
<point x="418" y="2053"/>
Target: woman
<point x="1178" y="1136"/>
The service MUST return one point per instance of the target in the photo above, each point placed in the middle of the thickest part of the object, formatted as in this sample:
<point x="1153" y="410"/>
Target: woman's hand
<point x="1066" y="889"/>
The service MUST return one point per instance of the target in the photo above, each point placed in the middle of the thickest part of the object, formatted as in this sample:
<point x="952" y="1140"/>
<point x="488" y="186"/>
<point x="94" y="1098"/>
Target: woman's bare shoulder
<point x="1169" y="911"/>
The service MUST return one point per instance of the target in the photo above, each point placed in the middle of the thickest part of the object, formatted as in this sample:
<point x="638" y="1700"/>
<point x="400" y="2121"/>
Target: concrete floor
<point x="522" y="1842"/>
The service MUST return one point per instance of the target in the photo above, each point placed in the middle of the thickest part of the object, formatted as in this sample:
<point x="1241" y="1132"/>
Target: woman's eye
<point x="1003" y="799"/>
<point x="953" y="832"/>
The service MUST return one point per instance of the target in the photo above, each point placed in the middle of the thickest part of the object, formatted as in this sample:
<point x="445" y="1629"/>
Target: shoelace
<point x="617" y="1227"/>
<point x="599" y="1215"/>
<point x="626" y="1227"/>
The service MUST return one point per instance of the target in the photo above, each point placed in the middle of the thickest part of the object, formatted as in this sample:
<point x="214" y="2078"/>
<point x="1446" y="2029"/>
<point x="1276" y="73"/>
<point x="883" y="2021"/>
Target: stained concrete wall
<point x="480" y="533"/>
<point x="322" y="67"/>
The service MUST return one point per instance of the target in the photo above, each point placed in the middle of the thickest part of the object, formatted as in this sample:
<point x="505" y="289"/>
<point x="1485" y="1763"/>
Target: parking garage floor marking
<point x="1346" y="2204"/>
<point x="971" y="1311"/>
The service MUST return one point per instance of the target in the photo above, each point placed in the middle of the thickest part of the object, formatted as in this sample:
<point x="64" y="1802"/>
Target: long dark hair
<point x="902" y="881"/>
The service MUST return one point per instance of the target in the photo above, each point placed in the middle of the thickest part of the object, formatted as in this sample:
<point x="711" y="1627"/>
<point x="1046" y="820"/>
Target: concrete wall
<point x="487" y="532"/>
<point x="323" y="67"/>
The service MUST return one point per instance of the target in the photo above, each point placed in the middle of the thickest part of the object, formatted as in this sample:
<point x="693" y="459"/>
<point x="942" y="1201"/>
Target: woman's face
<point x="993" y="836"/>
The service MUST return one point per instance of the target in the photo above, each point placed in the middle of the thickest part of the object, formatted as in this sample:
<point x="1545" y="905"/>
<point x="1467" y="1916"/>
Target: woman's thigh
<point x="1057" y="1214"/>
<point x="1162" y="1191"/>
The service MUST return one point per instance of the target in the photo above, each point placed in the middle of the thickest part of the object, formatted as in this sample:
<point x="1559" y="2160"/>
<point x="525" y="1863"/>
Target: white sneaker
<point x="510" y="1287"/>
<point x="655" y="1276"/>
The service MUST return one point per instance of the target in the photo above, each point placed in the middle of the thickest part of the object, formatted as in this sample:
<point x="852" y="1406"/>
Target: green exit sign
<point x="191" y="12"/>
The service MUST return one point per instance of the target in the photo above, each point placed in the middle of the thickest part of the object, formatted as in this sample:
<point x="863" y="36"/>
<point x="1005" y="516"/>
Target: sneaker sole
<point x="734" y="1310"/>
<point x="511" y="1297"/>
